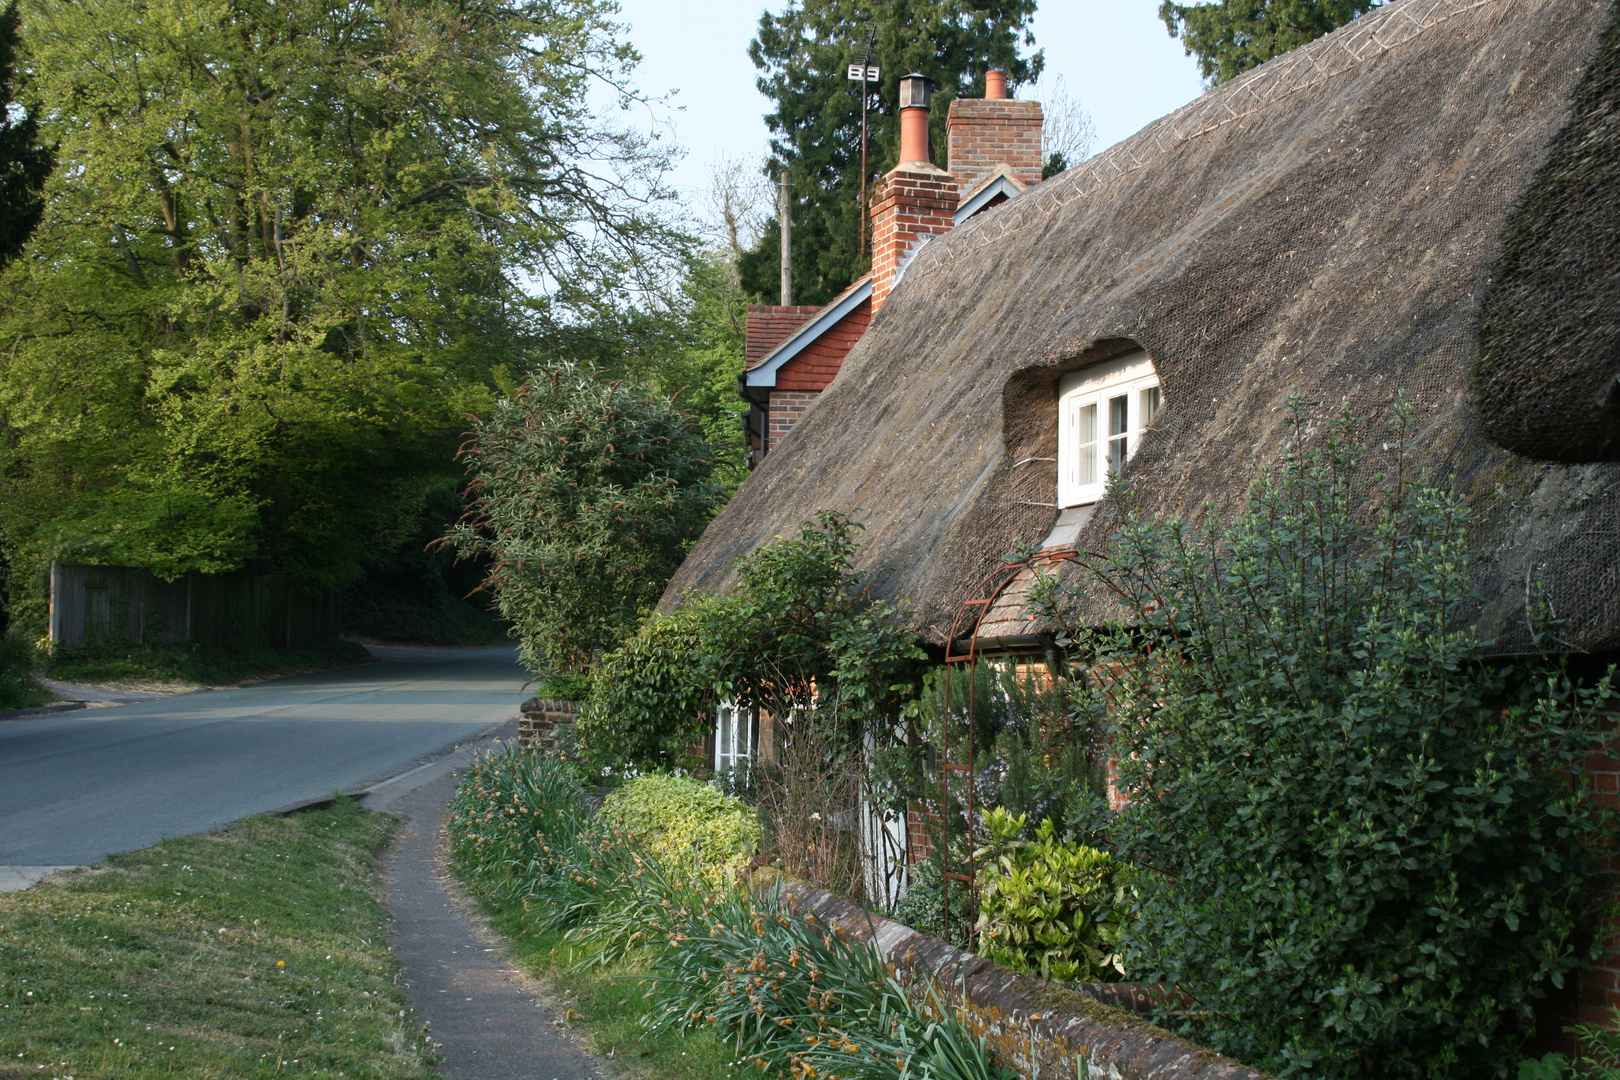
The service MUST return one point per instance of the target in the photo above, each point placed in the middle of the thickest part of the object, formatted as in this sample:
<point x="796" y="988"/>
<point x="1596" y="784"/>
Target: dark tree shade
<point x="1231" y="36"/>
<point x="803" y="54"/>
<point x="24" y="164"/>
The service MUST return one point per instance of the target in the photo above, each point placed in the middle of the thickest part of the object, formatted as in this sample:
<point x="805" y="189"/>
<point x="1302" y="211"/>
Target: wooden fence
<point x="123" y="603"/>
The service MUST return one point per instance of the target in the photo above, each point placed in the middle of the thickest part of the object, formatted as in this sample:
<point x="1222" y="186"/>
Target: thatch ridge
<point x="1329" y="232"/>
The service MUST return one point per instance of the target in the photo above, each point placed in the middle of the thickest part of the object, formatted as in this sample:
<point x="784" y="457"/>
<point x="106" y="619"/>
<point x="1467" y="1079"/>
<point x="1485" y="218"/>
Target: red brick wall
<point x="909" y="204"/>
<point x="982" y="133"/>
<point x="814" y="367"/>
<point x="1600" y="987"/>
<point x="787" y="406"/>
<point x="769" y="325"/>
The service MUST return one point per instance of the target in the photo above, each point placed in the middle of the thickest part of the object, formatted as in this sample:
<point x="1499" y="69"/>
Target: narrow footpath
<point x="483" y="1012"/>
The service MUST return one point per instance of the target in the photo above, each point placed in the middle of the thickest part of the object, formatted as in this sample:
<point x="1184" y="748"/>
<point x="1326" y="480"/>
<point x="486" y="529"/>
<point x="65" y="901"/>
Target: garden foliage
<point x="788" y="995"/>
<point x="1368" y="847"/>
<point x="686" y="824"/>
<point x="1048" y="906"/>
<point x="585" y="496"/>
<point x="798" y="629"/>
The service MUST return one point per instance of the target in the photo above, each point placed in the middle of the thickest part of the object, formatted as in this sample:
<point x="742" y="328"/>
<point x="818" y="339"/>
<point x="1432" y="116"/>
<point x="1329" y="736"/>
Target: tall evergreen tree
<point x="803" y="55"/>
<point x="24" y="163"/>
<point x="1231" y="36"/>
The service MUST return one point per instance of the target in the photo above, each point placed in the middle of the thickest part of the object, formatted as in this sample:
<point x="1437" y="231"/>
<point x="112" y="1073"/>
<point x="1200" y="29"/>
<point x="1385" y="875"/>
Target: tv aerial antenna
<point x="865" y="73"/>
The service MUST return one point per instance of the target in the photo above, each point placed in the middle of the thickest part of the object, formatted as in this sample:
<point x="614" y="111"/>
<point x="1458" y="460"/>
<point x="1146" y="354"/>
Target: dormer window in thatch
<point x="1102" y="411"/>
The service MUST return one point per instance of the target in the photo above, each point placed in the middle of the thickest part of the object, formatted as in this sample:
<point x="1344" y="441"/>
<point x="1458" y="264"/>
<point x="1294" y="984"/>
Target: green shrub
<point x="686" y="823"/>
<point x="799" y="1001"/>
<point x="19" y="689"/>
<point x="515" y="821"/>
<point x="585" y="494"/>
<point x="799" y="624"/>
<point x="1372" y="845"/>
<point x="1046" y="906"/>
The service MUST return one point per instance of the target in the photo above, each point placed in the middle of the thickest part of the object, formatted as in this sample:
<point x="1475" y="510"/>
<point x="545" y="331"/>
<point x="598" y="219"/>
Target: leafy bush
<point x="1370" y="844"/>
<point x="798" y="626"/>
<point x="18" y="687"/>
<point x="686" y="823"/>
<point x="1046" y="906"/>
<point x="119" y="659"/>
<point x="585" y="496"/>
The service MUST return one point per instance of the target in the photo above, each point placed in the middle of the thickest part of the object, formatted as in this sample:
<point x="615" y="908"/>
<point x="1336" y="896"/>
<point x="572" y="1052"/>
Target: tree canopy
<point x="586" y="497"/>
<point x="288" y="247"/>
<point x="24" y="163"/>
<point x="803" y="54"/>
<point x="1231" y="36"/>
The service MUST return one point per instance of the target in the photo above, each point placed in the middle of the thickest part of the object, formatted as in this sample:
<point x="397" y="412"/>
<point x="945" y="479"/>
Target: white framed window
<point x="1102" y="410"/>
<point x="735" y="732"/>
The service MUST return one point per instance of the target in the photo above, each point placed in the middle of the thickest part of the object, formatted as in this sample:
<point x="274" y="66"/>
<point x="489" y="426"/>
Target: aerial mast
<point x="865" y="72"/>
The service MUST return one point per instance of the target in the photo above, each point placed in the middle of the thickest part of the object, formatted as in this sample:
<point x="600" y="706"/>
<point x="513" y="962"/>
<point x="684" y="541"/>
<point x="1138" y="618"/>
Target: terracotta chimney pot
<point x="915" y="92"/>
<point x="995" y="84"/>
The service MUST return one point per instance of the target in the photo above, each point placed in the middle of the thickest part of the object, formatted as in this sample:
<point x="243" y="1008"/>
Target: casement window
<point x="1102" y="411"/>
<point x="735" y="733"/>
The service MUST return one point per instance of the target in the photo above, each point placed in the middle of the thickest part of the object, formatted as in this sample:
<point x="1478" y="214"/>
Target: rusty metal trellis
<point x="972" y="610"/>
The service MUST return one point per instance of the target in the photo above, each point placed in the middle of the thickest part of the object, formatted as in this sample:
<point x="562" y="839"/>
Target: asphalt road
<point x="78" y="786"/>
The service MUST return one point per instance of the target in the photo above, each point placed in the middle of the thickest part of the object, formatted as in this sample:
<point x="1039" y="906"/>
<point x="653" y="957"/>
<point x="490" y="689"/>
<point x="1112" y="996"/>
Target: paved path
<point x="78" y="786"/>
<point x="482" y="1012"/>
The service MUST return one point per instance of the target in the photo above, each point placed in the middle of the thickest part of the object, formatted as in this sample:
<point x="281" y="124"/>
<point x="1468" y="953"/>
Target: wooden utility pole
<point x="784" y="217"/>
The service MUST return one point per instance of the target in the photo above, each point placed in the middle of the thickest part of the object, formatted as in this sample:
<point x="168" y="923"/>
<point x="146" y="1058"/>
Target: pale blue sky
<point x="1114" y="55"/>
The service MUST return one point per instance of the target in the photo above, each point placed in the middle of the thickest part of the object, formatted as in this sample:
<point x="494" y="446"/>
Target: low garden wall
<point x="541" y="720"/>
<point x="1038" y="1029"/>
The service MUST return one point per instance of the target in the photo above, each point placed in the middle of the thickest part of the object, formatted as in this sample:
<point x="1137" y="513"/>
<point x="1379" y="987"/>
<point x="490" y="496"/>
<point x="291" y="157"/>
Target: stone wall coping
<point x="1032" y="1026"/>
<point x="548" y="705"/>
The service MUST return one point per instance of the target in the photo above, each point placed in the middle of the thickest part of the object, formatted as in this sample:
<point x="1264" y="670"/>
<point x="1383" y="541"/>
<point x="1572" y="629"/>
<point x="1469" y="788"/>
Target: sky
<point x="1114" y="55"/>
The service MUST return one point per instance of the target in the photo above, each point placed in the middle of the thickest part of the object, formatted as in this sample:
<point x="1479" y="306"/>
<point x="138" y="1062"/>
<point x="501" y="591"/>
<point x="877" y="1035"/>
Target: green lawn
<point x="259" y="951"/>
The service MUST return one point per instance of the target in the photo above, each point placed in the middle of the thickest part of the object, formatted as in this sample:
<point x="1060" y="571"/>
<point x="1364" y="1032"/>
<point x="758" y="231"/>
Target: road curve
<point x="78" y="786"/>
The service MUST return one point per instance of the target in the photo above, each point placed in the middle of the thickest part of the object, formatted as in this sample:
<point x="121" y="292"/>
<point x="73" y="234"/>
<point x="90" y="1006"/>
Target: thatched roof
<point x="1549" y="341"/>
<point x="1326" y="223"/>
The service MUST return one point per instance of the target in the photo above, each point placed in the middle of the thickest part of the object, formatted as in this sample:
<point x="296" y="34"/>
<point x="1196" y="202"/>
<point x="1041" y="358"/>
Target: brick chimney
<point x="915" y="201"/>
<point x="982" y="133"/>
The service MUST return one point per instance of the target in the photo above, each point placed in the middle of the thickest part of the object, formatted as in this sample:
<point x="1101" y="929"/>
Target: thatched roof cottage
<point x="1326" y="224"/>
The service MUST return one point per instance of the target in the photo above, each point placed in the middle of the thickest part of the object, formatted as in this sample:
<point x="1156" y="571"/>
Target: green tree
<point x="803" y="53"/>
<point x="1231" y="36"/>
<point x="290" y="244"/>
<point x="586" y="495"/>
<point x="24" y="163"/>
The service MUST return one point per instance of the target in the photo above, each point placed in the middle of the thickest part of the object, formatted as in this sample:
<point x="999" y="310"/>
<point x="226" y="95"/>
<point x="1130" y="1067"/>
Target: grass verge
<point x="113" y="662"/>
<point x="259" y="951"/>
<point x="606" y="1006"/>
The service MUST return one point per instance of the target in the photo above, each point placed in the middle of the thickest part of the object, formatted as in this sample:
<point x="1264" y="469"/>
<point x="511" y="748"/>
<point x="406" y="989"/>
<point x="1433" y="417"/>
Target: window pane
<point x="1116" y="454"/>
<point x="1151" y="400"/>
<point x="1086" y="428"/>
<point x="1117" y="418"/>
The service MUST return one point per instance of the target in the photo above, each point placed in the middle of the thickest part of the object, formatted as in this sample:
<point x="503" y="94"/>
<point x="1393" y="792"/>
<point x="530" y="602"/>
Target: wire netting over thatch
<point x="1549" y="342"/>
<point x="1324" y="224"/>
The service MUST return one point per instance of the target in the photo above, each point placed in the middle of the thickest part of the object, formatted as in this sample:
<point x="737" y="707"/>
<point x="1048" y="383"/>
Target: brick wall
<point x="1599" y="988"/>
<point x="982" y="133"/>
<point x="769" y="325"/>
<point x="911" y="203"/>
<point x="816" y="365"/>
<point x="541" y="720"/>
<point x="787" y="407"/>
